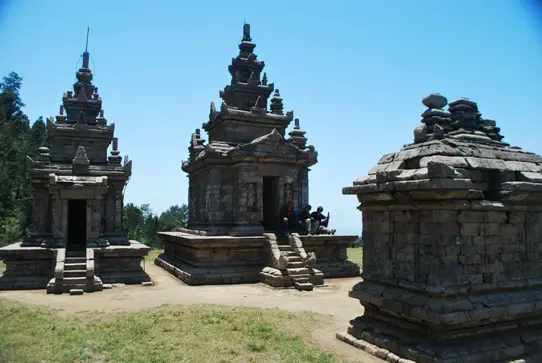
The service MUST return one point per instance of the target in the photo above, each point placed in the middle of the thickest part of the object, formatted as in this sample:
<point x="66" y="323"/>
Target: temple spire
<point x="246" y="33"/>
<point x="85" y="54"/>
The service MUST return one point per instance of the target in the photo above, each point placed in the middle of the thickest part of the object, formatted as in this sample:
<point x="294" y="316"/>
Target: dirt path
<point x="331" y="300"/>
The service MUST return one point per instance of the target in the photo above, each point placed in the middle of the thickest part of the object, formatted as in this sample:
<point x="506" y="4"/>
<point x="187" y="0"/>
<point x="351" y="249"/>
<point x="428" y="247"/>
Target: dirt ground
<point x="331" y="300"/>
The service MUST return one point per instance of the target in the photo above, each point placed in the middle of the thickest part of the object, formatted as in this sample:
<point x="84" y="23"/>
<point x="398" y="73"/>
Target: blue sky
<point x="354" y="72"/>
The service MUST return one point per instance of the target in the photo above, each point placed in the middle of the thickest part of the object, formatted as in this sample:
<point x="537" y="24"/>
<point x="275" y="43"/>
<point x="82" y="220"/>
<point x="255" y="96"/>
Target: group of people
<point x="304" y="222"/>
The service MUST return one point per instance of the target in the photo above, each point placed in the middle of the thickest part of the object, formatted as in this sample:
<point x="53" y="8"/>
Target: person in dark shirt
<point x="289" y="220"/>
<point x="320" y="222"/>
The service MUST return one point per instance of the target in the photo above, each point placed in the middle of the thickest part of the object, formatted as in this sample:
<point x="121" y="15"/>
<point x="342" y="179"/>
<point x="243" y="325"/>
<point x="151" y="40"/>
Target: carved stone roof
<point x="462" y="160"/>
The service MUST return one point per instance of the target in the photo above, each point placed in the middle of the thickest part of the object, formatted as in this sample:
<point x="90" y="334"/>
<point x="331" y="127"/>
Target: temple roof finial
<point x="246" y="32"/>
<point x="86" y="46"/>
<point x="85" y="54"/>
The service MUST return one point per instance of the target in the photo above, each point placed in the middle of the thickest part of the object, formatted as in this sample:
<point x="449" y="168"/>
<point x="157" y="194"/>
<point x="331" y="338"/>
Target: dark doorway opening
<point x="270" y="203"/>
<point x="77" y="224"/>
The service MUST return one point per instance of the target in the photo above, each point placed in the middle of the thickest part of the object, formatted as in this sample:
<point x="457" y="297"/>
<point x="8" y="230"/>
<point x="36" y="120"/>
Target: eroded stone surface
<point x="451" y="231"/>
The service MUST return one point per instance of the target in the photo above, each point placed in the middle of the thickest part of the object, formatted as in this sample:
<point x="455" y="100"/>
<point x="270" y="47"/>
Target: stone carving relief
<point x="288" y="192"/>
<point x="251" y="195"/>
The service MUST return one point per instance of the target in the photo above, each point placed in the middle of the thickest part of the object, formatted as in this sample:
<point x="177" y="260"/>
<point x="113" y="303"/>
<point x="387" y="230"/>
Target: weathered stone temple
<point x="76" y="241"/>
<point x="237" y="184"/>
<point x="452" y="232"/>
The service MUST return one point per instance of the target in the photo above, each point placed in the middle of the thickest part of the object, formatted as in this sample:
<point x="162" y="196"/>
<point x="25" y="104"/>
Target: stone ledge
<point x="345" y="269"/>
<point x="396" y="345"/>
<point x="191" y="275"/>
<point x="26" y="282"/>
<point x="212" y="241"/>
<point x="452" y="316"/>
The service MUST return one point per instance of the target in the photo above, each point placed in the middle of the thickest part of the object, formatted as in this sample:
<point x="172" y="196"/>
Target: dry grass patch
<point x="152" y="255"/>
<point x="355" y="255"/>
<point x="165" y="334"/>
<point x="2" y="267"/>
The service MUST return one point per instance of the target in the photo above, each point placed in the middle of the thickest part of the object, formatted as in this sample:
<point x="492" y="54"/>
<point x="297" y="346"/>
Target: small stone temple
<point x="452" y="233"/>
<point x="76" y="242"/>
<point x="239" y="181"/>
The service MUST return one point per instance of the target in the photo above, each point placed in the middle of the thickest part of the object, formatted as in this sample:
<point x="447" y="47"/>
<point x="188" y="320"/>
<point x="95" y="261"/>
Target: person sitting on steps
<point x="289" y="221"/>
<point x="307" y="222"/>
<point x="320" y="222"/>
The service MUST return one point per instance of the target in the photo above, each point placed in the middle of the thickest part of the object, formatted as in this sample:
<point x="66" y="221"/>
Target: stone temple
<point x="76" y="243"/>
<point x="239" y="181"/>
<point x="452" y="228"/>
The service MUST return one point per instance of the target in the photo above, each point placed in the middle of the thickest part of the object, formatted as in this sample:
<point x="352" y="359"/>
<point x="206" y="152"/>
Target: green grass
<point x="165" y="334"/>
<point x="356" y="255"/>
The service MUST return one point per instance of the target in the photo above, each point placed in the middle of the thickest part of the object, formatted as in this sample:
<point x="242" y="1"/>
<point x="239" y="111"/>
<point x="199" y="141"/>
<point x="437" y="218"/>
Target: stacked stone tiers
<point x="198" y="259"/>
<point x="33" y="267"/>
<point x="452" y="229"/>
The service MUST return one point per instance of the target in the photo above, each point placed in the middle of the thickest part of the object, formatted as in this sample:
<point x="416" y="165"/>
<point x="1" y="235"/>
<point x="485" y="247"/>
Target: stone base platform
<point x="198" y="259"/>
<point x="27" y="268"/>
<point x="30" y="268"/>
<point x="192" y="275"/>
<point x="122" y="264"/>
<point x="396" y="345"/>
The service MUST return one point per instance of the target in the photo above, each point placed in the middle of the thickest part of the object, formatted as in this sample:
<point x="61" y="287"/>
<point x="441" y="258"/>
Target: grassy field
<point x="165" y="334"/>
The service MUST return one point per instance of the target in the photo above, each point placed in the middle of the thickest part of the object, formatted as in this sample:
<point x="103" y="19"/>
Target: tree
<point x="174" y="217"/>
<point x="16" y="141"/>
<point x="141" y="224"/>
<point x="132" y="221"/>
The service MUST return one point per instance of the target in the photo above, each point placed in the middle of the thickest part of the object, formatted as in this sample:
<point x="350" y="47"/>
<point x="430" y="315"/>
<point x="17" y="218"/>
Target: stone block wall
<point x="458" y="250"/>
<point x="331" y="254"/>
<point x="26" y="267"/>
<point x="198" y="260"/>
<point x="121" y="264"/>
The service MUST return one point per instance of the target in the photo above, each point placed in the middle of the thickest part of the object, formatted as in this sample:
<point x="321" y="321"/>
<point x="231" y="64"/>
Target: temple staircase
<point x="289" y="264"/>
<point x="74" y="273"/>
<point x="296" y="269"/>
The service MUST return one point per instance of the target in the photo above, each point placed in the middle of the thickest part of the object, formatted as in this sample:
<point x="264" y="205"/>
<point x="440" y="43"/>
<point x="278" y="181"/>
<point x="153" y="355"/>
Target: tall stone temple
<point x="76" y="240"/>
<point x="238" y="183"/>
<point x="452" y="238"/>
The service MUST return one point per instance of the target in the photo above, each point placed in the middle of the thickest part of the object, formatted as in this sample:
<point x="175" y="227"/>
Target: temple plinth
<point x="451" y="229"/>
<point x="76" y="240"/>
<point x="238" y="183"/>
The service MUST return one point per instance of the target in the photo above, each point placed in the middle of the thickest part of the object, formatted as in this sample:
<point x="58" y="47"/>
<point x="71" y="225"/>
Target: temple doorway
<point x="270" y="203"/>
<point x="77" y="224"/>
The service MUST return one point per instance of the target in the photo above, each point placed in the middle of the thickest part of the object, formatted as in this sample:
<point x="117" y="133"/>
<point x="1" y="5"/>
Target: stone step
<point x="285" y="248"/>
<point x="75" y="280"/>
<point x="298" y="271"/>
<point x="76" y="253"/>
<point x="75" y="260"/>
<point x="75" y="273"/>
<point x="294" y="264"/>
<point x="294" y="258"/>
<point x="303" y="286"/>
<point x="302" y="278"/>
<point x="76" y="292"/>
<point x="75" y="266"/>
